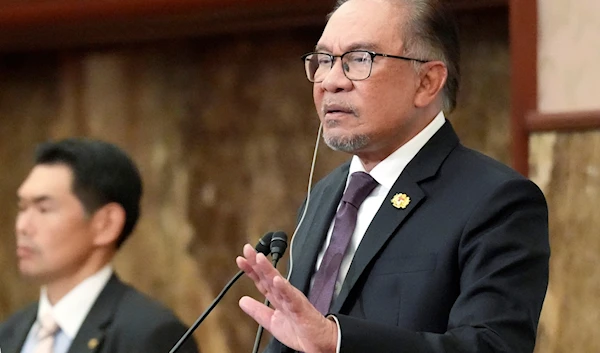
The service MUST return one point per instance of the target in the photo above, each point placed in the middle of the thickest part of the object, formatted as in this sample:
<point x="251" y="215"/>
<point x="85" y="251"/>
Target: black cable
<point x="260" y="328"/>
<point x="205" y="313"/>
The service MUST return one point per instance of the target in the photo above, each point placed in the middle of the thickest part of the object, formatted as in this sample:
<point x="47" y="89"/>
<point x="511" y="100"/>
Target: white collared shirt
<point x="385" y="173"/>
<point x="70" y="311"/>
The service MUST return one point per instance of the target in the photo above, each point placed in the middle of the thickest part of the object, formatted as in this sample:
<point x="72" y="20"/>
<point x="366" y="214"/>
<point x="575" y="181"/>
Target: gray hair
<point x="430" y="33"/>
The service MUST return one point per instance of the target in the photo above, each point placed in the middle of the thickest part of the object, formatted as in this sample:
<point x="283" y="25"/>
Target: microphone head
<point x="278" y="244"/>
<point x="264" y="244"/>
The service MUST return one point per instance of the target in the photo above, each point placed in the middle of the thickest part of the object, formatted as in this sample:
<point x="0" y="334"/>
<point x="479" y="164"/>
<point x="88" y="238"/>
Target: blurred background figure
<point x="77" y="206"/>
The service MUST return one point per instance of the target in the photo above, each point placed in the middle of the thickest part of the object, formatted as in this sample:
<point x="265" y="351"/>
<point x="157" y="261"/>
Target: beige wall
<point x="567" y="167"/>
<point x="569" y="55"/>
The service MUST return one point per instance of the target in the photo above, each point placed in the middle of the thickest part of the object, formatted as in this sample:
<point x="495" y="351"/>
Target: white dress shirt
<point x="70" y="311"/>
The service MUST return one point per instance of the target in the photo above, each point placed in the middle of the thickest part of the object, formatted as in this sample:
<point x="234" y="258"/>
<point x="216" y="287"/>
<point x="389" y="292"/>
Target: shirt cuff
<point x="339" y="336"/>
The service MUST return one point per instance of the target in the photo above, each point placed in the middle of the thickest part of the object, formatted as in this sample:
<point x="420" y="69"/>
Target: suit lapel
<point x="389" y="218"/>
<point x="16" y="336"/>
<point x="314" y="227"/>
<point x="91" y="335"/>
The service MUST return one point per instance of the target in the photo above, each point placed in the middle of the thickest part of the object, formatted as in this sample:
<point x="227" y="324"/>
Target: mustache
<point x="25" y="243"/>
<point x="330" y="104"/>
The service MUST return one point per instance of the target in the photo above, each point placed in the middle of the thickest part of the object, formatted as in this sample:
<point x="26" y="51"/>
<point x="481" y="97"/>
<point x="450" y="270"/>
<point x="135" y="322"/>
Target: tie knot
<point x="48" y="326"/>
<point x="360" y="186"/>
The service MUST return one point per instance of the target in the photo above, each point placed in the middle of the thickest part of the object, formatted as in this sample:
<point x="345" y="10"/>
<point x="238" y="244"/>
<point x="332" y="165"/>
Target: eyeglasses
<point x="356" y="64"/>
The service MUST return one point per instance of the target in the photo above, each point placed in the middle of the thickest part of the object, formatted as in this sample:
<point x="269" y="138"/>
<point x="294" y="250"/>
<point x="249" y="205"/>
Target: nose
<point x="336" y="80"/>
<point x="23" y="222"/>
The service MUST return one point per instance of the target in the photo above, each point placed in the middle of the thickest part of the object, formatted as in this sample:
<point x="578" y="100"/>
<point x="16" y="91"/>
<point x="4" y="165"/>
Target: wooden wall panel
<point x="568" y="170"/>
<point x="28" y="102"/>
<point x="565" y="163"/>
<point x="482" y="116"/>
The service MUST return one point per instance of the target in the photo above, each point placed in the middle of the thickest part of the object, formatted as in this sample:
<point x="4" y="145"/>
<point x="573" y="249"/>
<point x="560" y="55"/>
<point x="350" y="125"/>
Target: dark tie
<point x="321" y="294"/>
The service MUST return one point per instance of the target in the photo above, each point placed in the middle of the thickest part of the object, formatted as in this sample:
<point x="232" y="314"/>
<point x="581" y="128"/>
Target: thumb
<point x="258" y="311"/>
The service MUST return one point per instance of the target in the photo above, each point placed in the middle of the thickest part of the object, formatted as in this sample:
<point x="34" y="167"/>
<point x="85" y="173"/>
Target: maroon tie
<point x="321" y="294"/>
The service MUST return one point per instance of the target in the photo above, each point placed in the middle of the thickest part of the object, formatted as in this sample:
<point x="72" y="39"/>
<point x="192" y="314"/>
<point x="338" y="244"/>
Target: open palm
<point x="292" y="320"/>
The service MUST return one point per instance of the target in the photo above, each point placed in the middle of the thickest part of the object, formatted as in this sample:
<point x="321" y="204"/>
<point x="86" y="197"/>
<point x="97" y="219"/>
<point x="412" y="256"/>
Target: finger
<point x="247" y="261"/>
<point x="249" y="271"/>
<point x="264" y="268"/>
<point x="280" y="292"/>
<point x="250" y="254"/>
<point x="243" y="265"/>
<point x="258" y="311"/>
<point x="289" y="297"/>
<point x="265" y="271"/>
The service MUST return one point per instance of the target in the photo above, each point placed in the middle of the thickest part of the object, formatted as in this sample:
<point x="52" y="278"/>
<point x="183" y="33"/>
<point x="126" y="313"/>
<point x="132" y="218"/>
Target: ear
<point x="433" y="76"/>
<point x="107" y="223"/>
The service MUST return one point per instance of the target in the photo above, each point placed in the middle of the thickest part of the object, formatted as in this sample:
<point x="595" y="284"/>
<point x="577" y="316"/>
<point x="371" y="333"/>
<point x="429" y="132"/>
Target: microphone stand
<point x="205" y="313"/>
<point x="260" y="328"/>
<point x="264" y="247"/>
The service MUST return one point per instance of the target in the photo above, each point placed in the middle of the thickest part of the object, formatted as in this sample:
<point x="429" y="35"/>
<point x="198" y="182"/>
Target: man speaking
<point x="417" y="244"/>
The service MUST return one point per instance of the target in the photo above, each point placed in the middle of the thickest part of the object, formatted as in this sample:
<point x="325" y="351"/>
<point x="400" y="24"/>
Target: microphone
<point x="263" y="246"/>
<point x="278" y="246"/>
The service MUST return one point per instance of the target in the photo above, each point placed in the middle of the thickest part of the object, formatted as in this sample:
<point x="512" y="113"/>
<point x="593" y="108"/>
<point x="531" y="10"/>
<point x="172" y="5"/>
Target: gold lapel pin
<point x="93" y="343"/>
<point x="400" y="201"/>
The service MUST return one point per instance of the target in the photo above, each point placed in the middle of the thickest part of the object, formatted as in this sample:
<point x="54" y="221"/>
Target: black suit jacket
<point x="463" y="268"/>
<point x="121" y="320"/>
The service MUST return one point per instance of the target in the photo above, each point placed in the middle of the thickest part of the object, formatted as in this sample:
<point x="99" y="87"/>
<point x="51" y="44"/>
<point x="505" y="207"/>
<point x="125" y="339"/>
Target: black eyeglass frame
<point x="372" y="53"/>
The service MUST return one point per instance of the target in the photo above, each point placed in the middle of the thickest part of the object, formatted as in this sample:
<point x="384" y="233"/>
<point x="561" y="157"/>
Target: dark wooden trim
<point x="52" y="24"/>
<point x="467" y="5"/>
<point x="65" y="11"/>
<point x="523" y="20"/>
<point x="69" y="23"/>
<point x="76" y="11"/>
<point x="568" y="121"/>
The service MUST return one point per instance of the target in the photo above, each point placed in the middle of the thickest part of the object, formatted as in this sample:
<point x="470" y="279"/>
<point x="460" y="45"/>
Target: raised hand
<point x="292" y="320"/>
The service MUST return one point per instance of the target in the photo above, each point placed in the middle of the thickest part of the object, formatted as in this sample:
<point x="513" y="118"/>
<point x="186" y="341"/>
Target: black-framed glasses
<point x="356" y="64"/>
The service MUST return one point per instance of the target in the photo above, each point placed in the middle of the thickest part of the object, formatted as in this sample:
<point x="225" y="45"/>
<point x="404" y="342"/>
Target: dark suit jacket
<point x="121" y="320"/>
<point x="464" y="268"/>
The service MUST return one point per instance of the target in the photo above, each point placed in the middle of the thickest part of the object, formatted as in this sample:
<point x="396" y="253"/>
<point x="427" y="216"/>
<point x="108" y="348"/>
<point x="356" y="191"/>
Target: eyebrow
<point x="354" y="46"/>
<point x="35" y="200"/>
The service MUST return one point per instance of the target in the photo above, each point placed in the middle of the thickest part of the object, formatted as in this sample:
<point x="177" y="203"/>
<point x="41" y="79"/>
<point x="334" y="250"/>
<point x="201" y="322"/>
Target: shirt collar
<point x="387" y="171"/>
<point x="71" y="310"/>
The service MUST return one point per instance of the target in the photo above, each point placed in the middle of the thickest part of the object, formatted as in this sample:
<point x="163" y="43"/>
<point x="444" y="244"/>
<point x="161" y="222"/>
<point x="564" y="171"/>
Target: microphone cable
<point x="278" y="246"/>
<point x="263" y="246"/>
<point x="309" y="188"/>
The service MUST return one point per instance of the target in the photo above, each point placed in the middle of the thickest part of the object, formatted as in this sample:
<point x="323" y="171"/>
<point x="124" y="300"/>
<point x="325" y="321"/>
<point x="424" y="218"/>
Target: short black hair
<point x="102" y="173"/>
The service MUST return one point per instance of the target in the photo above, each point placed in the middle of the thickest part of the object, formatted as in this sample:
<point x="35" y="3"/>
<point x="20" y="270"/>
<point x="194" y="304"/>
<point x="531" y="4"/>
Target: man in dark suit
<point x="446" y="250"/>
<point x="79" y="203"/>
